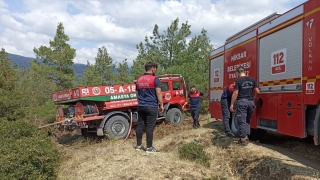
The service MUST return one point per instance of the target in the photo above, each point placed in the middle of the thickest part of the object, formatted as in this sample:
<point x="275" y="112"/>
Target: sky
<point x="120" y="25"/>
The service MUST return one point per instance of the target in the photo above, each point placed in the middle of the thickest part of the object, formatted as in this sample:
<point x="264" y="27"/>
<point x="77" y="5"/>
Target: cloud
<point x="120" y="25"/>
<point x="3" y="7"/>
<point x="88" y="54"/>
<point x="22" y="42"/>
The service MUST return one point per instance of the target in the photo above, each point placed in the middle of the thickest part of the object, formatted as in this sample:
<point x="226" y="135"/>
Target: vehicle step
<point x="268" y="129"/>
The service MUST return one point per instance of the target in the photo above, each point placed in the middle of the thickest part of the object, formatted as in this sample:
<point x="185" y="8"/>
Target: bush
<point x="46" y="111"/>
<point x="194" y="152"/>
<point x="26" y="152"/>
<point x="204" y="106"/>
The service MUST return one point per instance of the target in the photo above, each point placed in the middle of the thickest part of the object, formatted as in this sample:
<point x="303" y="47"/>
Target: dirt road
<point x="105" y="159"/>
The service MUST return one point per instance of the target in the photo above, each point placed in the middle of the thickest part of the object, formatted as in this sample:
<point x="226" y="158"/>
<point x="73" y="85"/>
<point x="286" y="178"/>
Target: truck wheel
<point x="117" y="127"/>
<point x="84" y="132"/>
<point x="311" y="115"/>
<point x="257" y="134"/>
<point x="174" y="116"/>
<point x="235" y="125"/>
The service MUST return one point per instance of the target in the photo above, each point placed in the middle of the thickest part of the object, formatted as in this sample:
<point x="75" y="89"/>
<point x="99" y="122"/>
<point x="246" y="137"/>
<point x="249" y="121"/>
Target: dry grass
<point x="104" y="159"/>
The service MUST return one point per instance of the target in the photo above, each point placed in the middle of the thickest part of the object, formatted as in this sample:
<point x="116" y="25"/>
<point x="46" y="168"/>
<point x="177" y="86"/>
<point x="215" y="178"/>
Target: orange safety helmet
<point x="231" y="88"/>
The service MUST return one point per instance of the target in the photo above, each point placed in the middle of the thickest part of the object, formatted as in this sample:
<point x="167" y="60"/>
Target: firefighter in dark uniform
<point x="149" y="95"/>
<point x="195" y="103"/>
<point x="243" y="92"/>
<point x="226" y="114"/>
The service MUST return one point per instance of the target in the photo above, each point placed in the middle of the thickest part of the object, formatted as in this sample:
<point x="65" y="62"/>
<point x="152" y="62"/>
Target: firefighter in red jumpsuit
<point x="195" y="103"/>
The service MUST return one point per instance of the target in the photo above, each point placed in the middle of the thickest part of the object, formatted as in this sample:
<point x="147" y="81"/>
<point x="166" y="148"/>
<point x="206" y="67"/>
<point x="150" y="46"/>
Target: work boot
<point x="242" y="142"/>
<point x="230" y="135"/>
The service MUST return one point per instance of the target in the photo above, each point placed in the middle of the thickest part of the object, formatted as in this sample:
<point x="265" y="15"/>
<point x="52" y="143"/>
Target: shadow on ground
<point x="301" y="150"/>
<point x="244" y="162"/>
<point x="161" y="130"/>
<point x="265" y="167"/>
<point x="219" y="139"/>
<point x="71" y="139"/>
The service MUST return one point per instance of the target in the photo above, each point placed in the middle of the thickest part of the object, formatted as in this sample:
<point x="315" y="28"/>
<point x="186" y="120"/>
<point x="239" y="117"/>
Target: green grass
<point x="194" y="152"/>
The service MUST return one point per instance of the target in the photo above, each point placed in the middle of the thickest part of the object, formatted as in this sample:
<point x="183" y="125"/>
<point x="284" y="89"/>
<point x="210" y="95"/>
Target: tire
<point x="255" y="134"/>
<point x="117" y="127"/>
<point x="174" y="116"/>
<point x="84" y="133"/>
<point x="235" y="124"/>
<point x="311" y="115"/>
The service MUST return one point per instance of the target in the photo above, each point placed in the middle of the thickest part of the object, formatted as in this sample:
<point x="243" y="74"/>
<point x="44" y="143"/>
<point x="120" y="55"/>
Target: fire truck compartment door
<point x="290" y="122"/>
<point x="280" y="60"/>
<point x="216" y="78"/>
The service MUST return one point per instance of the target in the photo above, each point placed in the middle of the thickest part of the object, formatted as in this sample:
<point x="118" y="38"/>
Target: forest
<point x="25" y="92"/>
<point x="174" y="50"/>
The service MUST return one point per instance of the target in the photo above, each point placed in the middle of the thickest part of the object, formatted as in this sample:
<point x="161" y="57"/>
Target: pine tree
<point x="90" y="76"/>
<point x="105" y="66"/>
<point x="176" y="55"/>
<point x="59" y="57"/>
<point x="11" y="102"/>
<point x="100" y="73"/>
<point x="124" y="75"/>
<point x="39" y="85"/>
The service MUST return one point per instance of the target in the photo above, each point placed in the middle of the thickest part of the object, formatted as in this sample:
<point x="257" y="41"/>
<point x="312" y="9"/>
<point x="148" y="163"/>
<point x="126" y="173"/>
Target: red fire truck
<point x="107" y="110"/>
<point x="282" y="53"/>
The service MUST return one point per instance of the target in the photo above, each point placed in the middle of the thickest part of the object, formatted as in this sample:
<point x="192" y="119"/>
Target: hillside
<point x="113" y="160"/>
<point x="23" y="61"/>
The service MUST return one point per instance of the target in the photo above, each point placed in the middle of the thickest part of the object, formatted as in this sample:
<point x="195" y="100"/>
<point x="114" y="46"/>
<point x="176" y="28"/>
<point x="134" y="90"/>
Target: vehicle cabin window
<point x="176" y="85"/>
<point x="164" y="86"/>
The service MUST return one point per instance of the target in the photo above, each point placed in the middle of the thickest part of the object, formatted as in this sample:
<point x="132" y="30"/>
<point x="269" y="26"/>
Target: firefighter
<point x="195" y="104"/>
<point x="149" y="95"/>
<point x="226" y="114"/>
<point x="243" y="92"/>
